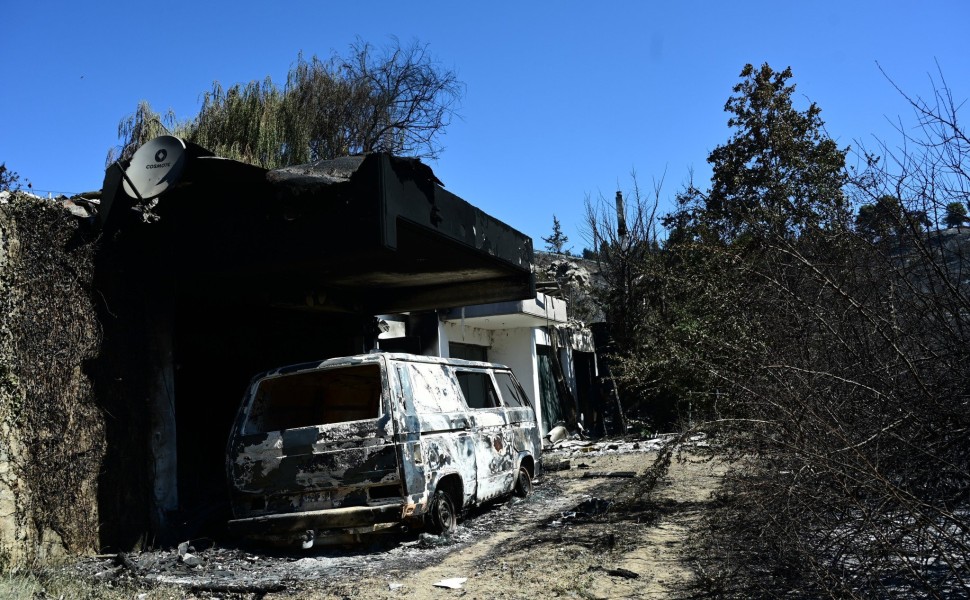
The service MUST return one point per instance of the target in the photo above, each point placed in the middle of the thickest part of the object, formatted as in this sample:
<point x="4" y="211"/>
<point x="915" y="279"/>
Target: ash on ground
<point x="226" y="570"/>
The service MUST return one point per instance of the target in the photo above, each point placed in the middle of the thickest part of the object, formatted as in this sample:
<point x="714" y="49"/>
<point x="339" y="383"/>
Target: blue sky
<point x="563" y="99"/>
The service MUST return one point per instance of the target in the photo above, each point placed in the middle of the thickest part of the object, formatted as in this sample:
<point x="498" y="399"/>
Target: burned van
<point x="353" y="444"/>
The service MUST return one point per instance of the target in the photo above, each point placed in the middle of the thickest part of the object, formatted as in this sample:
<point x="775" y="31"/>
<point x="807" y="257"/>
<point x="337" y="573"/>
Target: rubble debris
<point x="573" y="446"/>
<point x="619" y="474"/>
<point x="586" y="509"/>
<point x="618" y="572"/>
<point x="230" y="588"/>
<point x="122" y="560"/>
<point x="592" y="507"/>
<point x="557" y="434"/>
<point x="191" y="560"/>
<point x="428" y="540"/>
<point x="453" y="583"/>
<point x="555" y="464"/>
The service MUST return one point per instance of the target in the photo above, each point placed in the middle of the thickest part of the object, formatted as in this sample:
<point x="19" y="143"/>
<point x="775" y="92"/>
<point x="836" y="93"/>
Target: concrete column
<point x="163" y="449"/>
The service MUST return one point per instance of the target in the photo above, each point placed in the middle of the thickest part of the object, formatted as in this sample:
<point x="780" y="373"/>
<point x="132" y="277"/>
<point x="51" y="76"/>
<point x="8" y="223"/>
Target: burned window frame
<point x="447" y="399"/>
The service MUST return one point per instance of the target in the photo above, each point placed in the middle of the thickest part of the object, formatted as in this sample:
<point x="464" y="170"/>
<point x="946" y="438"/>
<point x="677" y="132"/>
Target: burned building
<point x="210" y="270"/>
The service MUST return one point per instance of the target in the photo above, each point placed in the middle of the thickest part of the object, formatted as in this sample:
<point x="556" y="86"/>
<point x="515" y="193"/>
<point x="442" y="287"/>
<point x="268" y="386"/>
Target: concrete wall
<point x="454" y="331"/>
<point x="48" y="491"/>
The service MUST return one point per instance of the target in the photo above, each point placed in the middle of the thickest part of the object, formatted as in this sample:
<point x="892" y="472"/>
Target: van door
<point x="447" y="446"/>
<point x="491" y="433"/>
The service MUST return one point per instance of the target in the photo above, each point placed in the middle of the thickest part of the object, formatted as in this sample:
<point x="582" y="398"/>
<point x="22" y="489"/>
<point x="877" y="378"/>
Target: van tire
<point x="523" y="483"/>
<point x="442" y="518"/>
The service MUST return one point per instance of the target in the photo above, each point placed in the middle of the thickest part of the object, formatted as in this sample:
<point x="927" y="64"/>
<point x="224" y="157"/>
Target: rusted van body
<point x="353" y="444"/>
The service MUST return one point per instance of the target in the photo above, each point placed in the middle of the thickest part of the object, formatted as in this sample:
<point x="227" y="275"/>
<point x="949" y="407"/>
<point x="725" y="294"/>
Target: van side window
<point x="512" y="394"/>
<point x="316" y="398"/>
<point x="477" y="388"/>
<point x="422" y="392"/>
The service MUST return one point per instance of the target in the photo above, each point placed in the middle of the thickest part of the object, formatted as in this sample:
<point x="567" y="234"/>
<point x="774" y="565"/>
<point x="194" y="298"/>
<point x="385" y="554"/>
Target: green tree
<point x="777" y="187"/>
<point x="887" y="218"/>
<point x="396" y="99"/>
<point x="557" y="241"/>
<point x="779" y="174"/>
<point x="956" y="214"/>
<point x="880" y="219"/>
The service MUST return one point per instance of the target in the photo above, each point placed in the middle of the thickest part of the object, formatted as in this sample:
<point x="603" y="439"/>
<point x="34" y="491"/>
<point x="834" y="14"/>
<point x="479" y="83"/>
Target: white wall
<point x="454" y="331"/>
<point x="517" y="349"/>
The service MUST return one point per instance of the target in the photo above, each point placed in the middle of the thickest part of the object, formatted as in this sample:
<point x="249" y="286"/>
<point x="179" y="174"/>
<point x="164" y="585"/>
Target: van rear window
<point x="316" y="398"/>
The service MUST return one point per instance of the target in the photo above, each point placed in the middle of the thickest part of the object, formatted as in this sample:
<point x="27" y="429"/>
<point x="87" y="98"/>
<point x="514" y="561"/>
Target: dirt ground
<point x="619" y="555"/>
<point x="576" y="536"/>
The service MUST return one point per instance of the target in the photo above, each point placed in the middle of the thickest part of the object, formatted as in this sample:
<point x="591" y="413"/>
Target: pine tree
<point x="956" y="214"/>
<point x="557" y="241"/>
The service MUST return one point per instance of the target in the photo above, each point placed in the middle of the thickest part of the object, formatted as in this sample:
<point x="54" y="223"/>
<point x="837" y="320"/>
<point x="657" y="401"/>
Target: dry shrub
<point x="849" y="402"/>
<point x="851" y="413"/>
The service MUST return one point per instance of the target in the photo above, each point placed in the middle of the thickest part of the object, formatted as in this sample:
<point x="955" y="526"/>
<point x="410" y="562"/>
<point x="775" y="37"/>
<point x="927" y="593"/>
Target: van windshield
<point x="315" y="398"/>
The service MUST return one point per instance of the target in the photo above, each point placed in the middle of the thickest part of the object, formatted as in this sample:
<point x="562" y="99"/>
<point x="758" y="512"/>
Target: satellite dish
<point x="155" y="167"/>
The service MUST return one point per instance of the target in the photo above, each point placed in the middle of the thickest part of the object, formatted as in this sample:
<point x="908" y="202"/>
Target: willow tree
<point x="141" y="126"/>
<point x="394" y="99"/>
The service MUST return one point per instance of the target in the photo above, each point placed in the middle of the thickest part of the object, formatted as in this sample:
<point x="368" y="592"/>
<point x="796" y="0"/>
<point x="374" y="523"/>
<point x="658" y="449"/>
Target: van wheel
<point x="523" y="483"/>
<point x="442" y="519"/>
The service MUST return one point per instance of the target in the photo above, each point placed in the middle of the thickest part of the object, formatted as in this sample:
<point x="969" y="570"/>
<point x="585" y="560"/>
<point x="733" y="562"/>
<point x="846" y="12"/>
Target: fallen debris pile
<point x="568" y="447"/>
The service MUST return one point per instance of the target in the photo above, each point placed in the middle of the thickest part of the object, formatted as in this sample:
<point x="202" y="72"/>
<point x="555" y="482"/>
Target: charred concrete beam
<point x="358" y="226"/>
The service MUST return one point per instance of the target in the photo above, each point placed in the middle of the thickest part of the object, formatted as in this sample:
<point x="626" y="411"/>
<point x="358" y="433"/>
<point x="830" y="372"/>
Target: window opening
<point x="512" y="393"/>
<point x="312" y="398"/>
<point x="468" y="351"/>
<point x="477" y="388"/>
